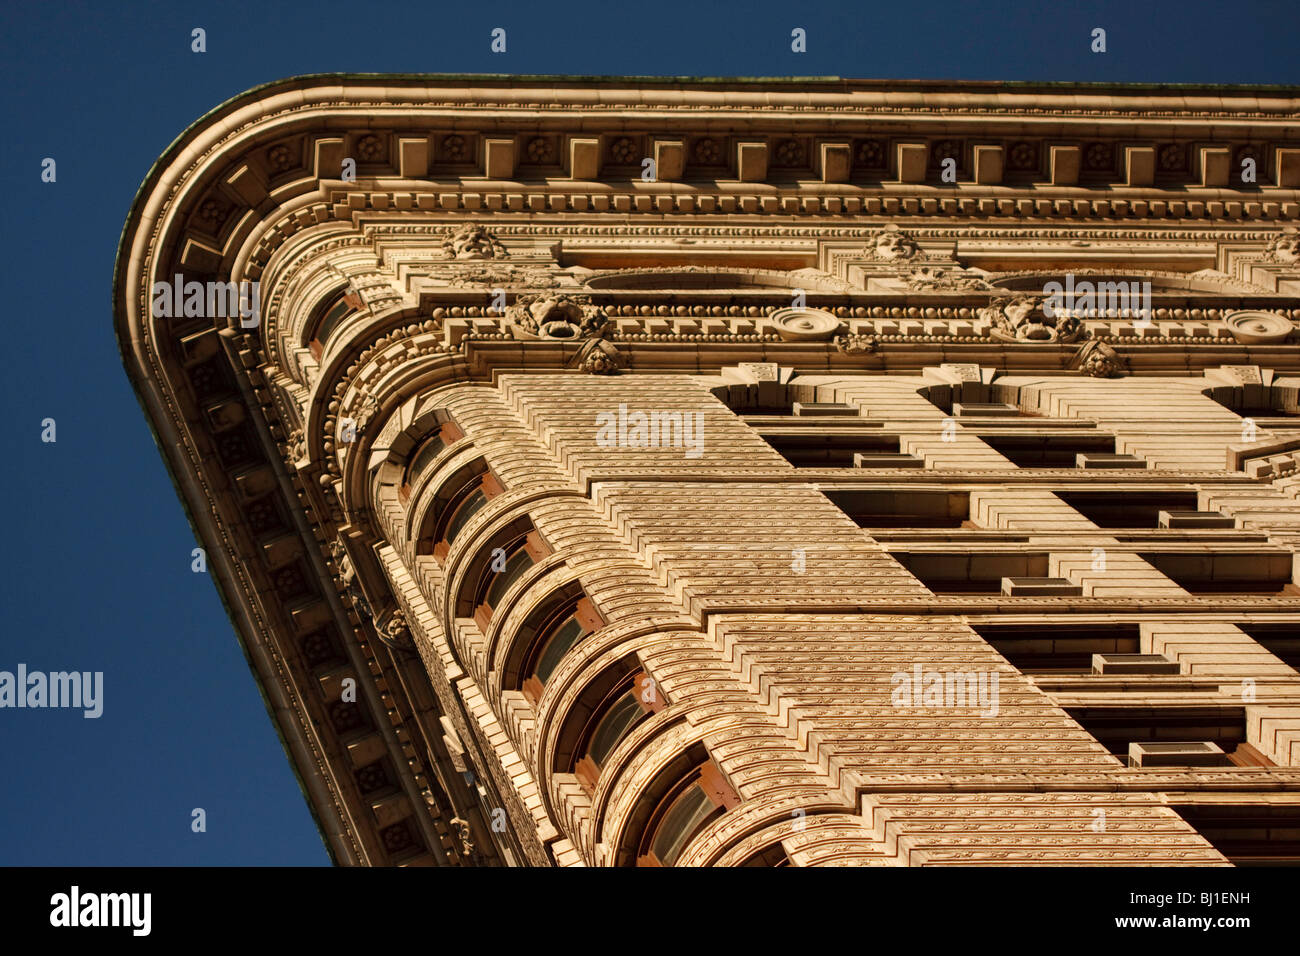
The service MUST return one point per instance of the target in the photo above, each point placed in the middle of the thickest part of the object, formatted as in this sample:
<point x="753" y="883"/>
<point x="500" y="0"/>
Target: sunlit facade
<point x="746" y="473"/>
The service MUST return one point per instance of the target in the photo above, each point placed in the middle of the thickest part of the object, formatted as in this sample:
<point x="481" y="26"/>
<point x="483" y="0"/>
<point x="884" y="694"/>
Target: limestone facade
<point x="687" y="473"/>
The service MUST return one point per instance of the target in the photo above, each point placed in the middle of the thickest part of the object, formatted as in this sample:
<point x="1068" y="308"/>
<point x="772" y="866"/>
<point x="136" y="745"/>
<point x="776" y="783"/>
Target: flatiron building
<point x="627" y="472"/>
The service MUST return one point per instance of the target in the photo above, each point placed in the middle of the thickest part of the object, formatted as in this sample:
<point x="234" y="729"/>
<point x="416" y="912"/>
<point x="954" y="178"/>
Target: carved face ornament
<point x="472" y="242"/>
<point x="1022" y="320"/>
<point x="1285" y="248"/>
<point x="892" y="244"/>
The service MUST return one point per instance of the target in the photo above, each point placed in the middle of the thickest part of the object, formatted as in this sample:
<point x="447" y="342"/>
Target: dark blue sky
<point x="96" y="546"/>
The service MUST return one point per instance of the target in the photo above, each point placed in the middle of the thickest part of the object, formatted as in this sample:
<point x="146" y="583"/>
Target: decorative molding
<point x="944" y="279"/>
<point x="856" y="344"/>
<point x="804" y="324"/>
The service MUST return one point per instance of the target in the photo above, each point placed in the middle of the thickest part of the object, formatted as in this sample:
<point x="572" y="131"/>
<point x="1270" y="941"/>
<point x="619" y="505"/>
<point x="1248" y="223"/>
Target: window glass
<point x="468" y="507"/>
<point x="330" y="320"/>
<point x="426" y="453"/>
<point x="614" y="726"/>
<point x="517" y="561"/>
<point x="566" y="635"/>
<point x="683" y="820"/>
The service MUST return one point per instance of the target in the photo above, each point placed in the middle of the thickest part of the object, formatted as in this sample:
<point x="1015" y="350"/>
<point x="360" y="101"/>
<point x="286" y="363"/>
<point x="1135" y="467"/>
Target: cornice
<point x="558" y="91"/>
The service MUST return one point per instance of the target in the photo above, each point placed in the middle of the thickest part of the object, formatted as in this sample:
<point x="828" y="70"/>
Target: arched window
<point x="560" y="632"/>
<point x="425" y="453"/>
<point x="462" y="505"/>
<point x="773" y="855"/>
<point x="342" y="304"/>
<point x="688" y="807"/>
<point x="631" y="700"/>
<point x="505" y="564"/>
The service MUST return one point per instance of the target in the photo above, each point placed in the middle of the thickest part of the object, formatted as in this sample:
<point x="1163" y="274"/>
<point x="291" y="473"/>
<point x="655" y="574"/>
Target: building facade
<point x="659" y="472"/>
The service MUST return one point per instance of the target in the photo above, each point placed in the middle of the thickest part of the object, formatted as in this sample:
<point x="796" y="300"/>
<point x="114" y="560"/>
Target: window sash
<point x="474" y="501"/>
<point x="518" y="561"/>
<point x="617" y="722"/>
<point x="687" y="815"/>
<point x="427" y="452"/>
<point x="329" y="321"/>
<point x="563" y="637"/>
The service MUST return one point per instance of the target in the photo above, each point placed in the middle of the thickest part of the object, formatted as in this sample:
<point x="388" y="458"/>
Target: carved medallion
<point x="1258" y="328"/>
<point x="804" y="325"/>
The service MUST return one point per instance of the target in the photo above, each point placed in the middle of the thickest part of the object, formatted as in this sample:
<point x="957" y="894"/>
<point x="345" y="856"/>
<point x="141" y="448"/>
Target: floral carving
<point x="370" y="148"/>
<point x="820" y="280"/>
<point x="1022" y="156"/>
<point x="789" y="152"/>
<point x="279" y="157"/>
<point x="623" y="150"/>
<point x="1172" y="156"/>
<point x="856" y="343"/>
<point x="212" y="213"/>
<point x="945" y="149"/>
<point x="473" y="242"/>
<point x="871" y="154"/>
<point x="297" y="445"/>
<point x="941" y="279"/>
<point x="455" y="149"/>
<point x="366" y="411"/>
<point x="708" y="152"/>
<point x="501" y="275"/>
<point x="1021" y="319"/>
<point x="599" y="357"/>
<point x="1099" y="156"/>
<point x="540" y="150"/>
<point x="1099" y="360"/>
